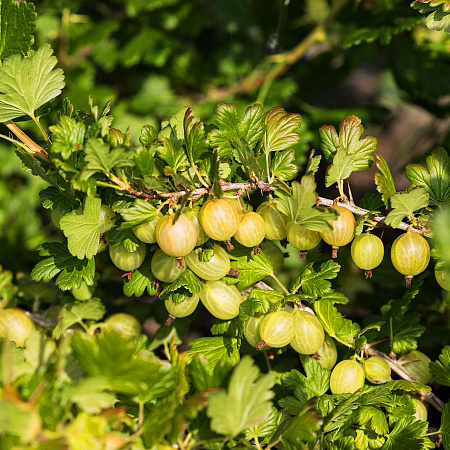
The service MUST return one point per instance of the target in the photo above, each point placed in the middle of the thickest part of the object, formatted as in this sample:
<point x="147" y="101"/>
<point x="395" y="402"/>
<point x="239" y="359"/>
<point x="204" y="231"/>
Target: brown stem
<point x="408" y="281"/>
<point x="261" y="345"/>
<point x="170" y="319"/>
<point x="36" y="149"/>
<point x="428" y="396"/>
<point x="424" y="231"/>
<point x="334" y="252"/>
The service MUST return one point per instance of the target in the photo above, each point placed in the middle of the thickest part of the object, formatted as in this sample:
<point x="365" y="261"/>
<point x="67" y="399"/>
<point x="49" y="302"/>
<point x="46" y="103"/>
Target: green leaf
<point x="176" y="159"/>
<point x="17" y="420"/>
<point x="314" y="384"/>
<point x="266" y="429"/>
<point x="372" y="201"/>
<point x="77" y="312"/>
<point x="438" y="19"/>
<point x="302" y="428"/>
<point x="100" y="158"/>
<point x="374" y="416"/>
<point x="299" y="207"/>
<point x="140" y="212"/>
<point x="187" y="280"/>
<point x="280" y="127"/>
<point x="252" y="268"/>
<point x="142" y="280"/>
<point x="350" y="131"/>
<point x="16" y="27"/>
<point x="342" y="167"/>
<point x="316" y="284"/>
<point x="205" y="375"/>
<point x="333" y="322"/>
<point x="144" y="160"/>
<point x="67" y="136"/>
<point x="119" y="359"/>
<point x="231" y="127"/>
<point x="404" y="204"/>
<point x="54" y="198"/>
<point x="148" y="135"/>
<point x="283" y="166"/>
<point x="313" y="163"/>
<point x="72" y="271"/>
<point x="407" y="434"/>
<point x="215" y="349"/>
<point x="90" y="396"/>
<point x="28" y="83"/>
<point x="124" y="236"/>
<point x="441" y="369"/>
<point x="384" y="181"/>
<point x="244" y="156"/>
<point x="436" y="180"/>
<point x="245" y="403"/>
<point x="194" y="135"/>
<point x="445" y="426"/>
<point x="82" y="229"/>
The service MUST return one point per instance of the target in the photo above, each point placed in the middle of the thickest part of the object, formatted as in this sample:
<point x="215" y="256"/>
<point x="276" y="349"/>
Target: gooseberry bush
<point x="194" y="219"/>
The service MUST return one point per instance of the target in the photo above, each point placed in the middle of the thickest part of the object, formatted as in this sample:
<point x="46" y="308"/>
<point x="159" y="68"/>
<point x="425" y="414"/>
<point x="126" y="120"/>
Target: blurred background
<point x="323" y="59"/>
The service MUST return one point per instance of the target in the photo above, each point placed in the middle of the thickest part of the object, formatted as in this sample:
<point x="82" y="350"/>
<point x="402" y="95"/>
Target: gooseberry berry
<point x="367" y="252"/>
<point x="250" y="232"/>
<point x="327" y="353"/>
<point x="309" y="335"/>
<point x="15" y="325"/>
<point x="184" y="308"/>
<point x="410" y="255"/>
<point x="443" y="278"/>
<point x="274" y="221"/>
<point x="166" y="268"/>
<point x="276" y="329"/>
<point x="302" y="238"/>
<point x="125" y="259"/>
<point x="347" y="377"/>
<point x="418" y="367"/>
<point x="220" y="299"/>
<point x="343" y="229"/>
<point x="219" y="219"/>
<point x="421" y="410"/>
<point x="214" y="269"/>
<point x="146" y="232"/>
<point x="377" y="370"/>
<point x="124" y="324"/>
<point x="176" y="239"/>
<point x="251" y="330"/>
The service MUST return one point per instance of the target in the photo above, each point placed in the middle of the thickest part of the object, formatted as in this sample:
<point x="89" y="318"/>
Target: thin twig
<point x="376" y="217"/>
<point x="428" y="396"/>
<point x="36" y="149"/>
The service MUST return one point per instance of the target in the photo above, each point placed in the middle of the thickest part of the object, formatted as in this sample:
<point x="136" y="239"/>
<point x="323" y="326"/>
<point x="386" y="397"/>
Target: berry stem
<point x="282" y="286"/>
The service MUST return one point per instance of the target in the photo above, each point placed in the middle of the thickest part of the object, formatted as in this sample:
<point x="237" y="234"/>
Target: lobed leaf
<point x="245" y="403"/>
<point x="28" y="83"/>
<point x="404" y="204"/>
<point x="441" y="368"/>
<point x="215" y="349"/>
<point x="436" y="180"/>
<point x="72" y="271"/>
<point x="384" y="181"/>
<point x="67" y="136"/>
<point x="141" y="212"/>
<point x="280" y="127"/>
<point x="82" y="229"/>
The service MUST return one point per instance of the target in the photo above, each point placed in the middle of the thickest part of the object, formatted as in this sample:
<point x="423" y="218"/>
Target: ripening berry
<point x="347" y="377"/>
<point x="250" y="231"/>
<point x="343" y="229"/>
<point x="274" y="221"/>
<point x="176" y="239"/>
<point x="219" y="219"/>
